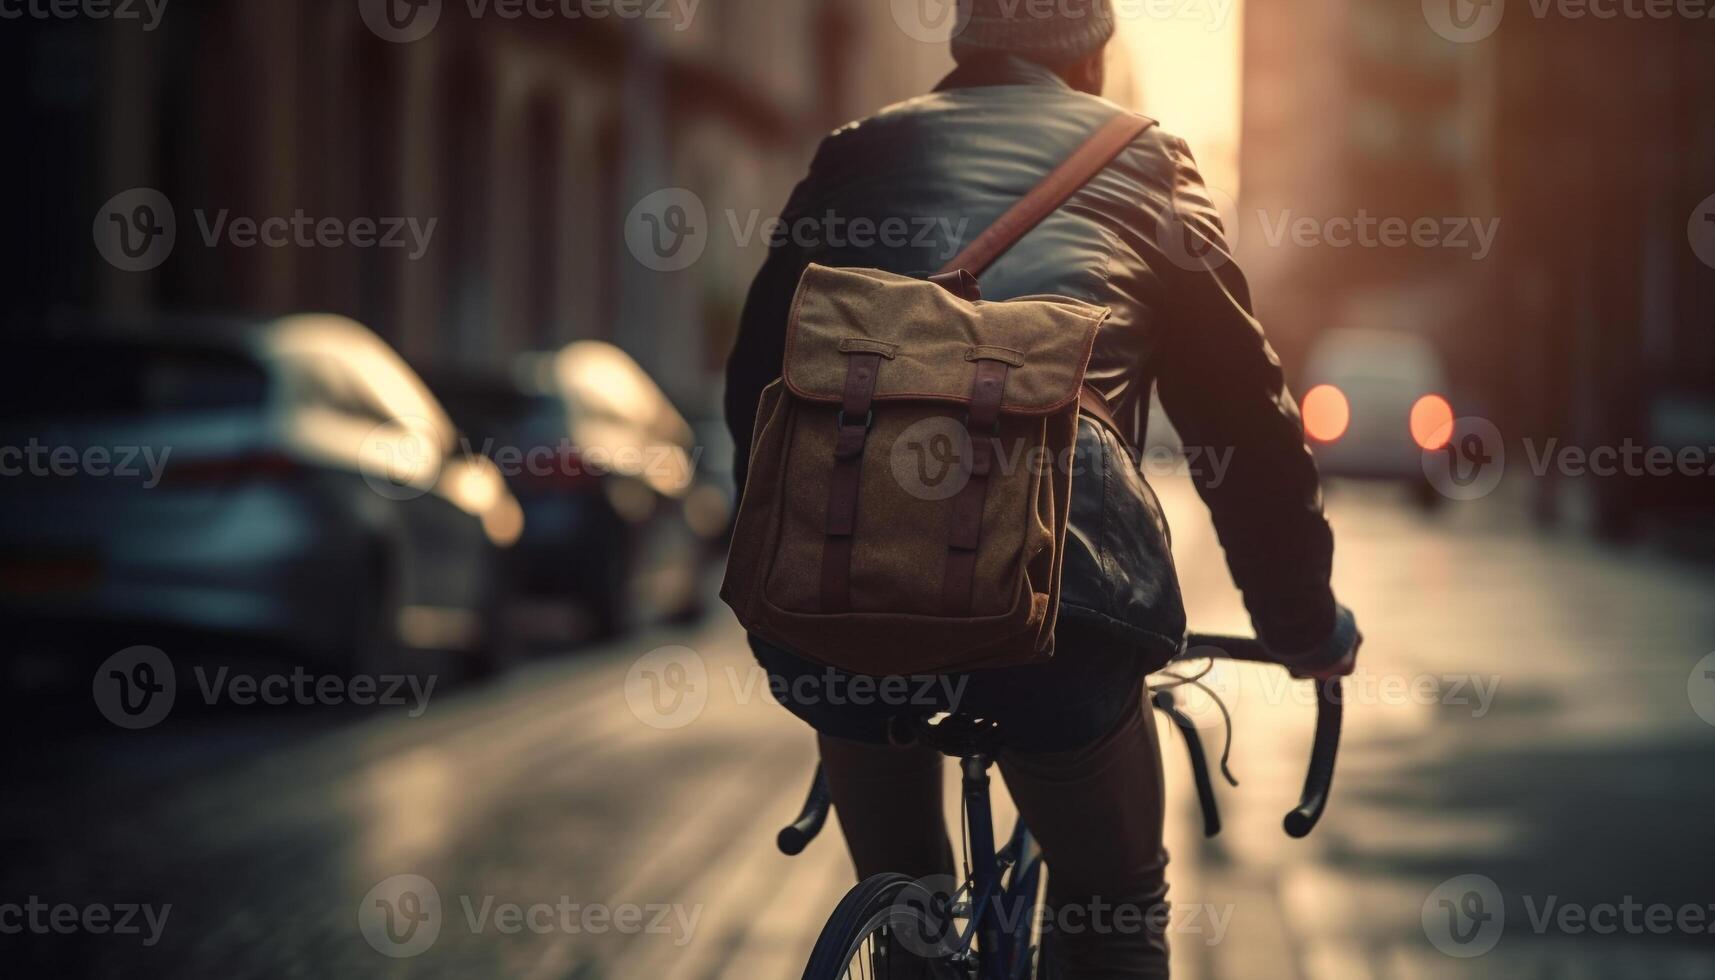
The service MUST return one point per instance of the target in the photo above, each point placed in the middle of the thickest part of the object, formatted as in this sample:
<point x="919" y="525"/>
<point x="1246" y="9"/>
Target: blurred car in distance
<point x="616" y="519"/>
<point x="1374" y="401"/>
<point x="286" y="485"/>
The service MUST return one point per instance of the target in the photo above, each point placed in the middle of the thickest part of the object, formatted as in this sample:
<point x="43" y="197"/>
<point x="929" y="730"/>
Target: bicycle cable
<point x="1196" y="680"/>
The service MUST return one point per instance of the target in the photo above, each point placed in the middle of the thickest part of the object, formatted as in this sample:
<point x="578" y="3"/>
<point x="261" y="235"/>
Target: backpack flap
<point x="932" y="341"/>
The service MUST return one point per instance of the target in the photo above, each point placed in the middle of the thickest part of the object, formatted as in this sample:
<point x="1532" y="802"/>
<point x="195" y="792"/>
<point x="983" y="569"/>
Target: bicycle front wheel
<point x="885" y="929"/>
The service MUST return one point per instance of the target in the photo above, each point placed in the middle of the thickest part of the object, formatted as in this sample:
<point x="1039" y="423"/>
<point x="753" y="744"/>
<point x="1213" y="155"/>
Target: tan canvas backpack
<point x="910" y="469"/>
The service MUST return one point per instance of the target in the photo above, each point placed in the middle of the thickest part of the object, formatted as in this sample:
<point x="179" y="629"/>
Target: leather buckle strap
<point x="960" y="282"/>
<point x="841" y="524"/>
<point x="1091" y="403"/>
<point x="965" y="524"/>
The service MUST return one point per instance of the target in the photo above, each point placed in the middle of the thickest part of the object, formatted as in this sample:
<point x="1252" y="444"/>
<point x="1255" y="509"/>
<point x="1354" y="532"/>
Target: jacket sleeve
<point x="1222" y="387"/>
<point x="760" y="348"/>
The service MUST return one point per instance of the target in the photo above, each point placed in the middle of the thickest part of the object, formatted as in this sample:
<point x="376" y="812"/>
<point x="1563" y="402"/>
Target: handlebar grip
<point x="797" y="835"/>
<point x="1163" y="702"/>
<point x="1319" y="779"/>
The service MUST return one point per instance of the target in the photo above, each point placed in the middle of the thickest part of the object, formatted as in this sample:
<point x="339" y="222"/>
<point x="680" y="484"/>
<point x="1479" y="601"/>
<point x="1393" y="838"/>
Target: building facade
<point x="517" y="137"/>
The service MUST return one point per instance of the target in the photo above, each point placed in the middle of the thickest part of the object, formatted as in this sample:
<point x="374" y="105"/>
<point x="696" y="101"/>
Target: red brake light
<point x="1326" y="413"/>
<point x="1431" y="422"/>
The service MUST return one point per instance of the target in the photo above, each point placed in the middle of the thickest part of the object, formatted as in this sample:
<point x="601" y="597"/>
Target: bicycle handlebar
<point x="795" y="836"/>
<point x="1319" y="777"/>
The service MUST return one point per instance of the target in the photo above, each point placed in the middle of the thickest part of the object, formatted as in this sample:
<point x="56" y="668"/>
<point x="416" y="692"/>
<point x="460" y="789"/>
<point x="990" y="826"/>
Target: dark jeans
<point x="1070" y="701"/>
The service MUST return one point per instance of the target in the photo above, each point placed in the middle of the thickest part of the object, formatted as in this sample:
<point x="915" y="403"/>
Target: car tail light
<point x="1431" y="422"/>
<point x="264" y="465"/>
<point x="1326" y="413"/>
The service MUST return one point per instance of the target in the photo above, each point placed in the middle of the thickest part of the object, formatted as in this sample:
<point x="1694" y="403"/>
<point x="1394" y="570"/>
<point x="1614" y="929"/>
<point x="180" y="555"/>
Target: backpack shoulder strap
<point x="1062" y="182"/>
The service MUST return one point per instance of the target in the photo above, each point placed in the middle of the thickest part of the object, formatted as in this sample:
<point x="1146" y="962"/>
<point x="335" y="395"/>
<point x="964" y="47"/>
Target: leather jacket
<point x="1144" y="239"/>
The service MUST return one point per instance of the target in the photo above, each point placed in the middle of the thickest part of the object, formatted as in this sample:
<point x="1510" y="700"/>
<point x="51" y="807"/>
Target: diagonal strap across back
<point x="1062" y="182"/>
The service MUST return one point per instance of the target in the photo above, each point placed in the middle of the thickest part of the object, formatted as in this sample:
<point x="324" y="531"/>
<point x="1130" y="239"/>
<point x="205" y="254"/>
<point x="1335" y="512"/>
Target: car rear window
<point x="87" y="379"/>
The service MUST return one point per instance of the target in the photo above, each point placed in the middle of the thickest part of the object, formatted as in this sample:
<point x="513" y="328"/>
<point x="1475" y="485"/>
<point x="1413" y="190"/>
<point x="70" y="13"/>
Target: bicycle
<point x="891" y="925"/>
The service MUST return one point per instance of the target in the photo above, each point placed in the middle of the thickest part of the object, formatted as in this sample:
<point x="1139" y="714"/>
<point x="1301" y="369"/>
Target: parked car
<point x="1373" y="402"/>
<point x="289" y="483"/>
<point x="605" y="468"/>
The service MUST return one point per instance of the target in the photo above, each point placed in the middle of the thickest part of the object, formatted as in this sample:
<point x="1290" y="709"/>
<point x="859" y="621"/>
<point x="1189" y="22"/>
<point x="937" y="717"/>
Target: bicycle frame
<point x="1003" y="952"/>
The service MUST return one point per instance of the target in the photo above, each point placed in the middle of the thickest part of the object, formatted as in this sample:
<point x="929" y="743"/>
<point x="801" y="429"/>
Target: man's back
<point x="904" y="189"/>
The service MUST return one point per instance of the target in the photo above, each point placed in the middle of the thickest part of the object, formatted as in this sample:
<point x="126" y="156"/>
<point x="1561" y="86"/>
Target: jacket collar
<point x="1002" y="70"/>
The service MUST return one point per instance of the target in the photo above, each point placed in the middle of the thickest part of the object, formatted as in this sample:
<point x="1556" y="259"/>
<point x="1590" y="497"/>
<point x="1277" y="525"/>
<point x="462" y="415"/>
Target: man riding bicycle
<point x="1142" y="239"/>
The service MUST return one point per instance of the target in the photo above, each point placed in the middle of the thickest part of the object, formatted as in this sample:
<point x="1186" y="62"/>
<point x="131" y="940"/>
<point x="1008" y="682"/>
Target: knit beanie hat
<point x="1050" y="32"/>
